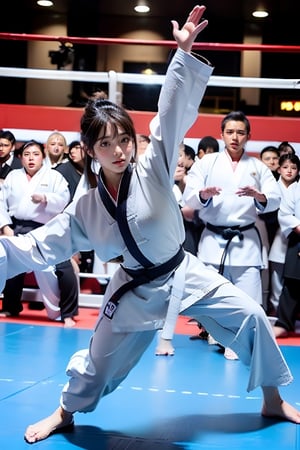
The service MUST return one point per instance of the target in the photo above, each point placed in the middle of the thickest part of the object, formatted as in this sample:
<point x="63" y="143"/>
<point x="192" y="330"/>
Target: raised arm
<point x="181" y="94"/>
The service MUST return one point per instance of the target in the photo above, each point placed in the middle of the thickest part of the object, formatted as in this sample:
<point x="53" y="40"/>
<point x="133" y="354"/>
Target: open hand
<point x="190" y="30"/>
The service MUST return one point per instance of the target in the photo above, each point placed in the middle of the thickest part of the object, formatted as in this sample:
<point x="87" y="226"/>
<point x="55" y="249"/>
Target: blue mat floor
<point x="194" y="400"/>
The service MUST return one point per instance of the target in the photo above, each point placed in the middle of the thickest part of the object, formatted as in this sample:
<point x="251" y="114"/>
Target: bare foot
<point x="164" y="348"/>
<point x="275" y="407"/>
<point x="284" y="411"/>
<point x="41" y="430"/>
<point x="230" y="354"/>
<point x="69" y="322"/>
<point x="280" y="332"/>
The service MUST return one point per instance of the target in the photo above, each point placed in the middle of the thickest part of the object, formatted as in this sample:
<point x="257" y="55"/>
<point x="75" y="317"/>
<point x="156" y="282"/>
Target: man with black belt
<point x="228" y="189"/>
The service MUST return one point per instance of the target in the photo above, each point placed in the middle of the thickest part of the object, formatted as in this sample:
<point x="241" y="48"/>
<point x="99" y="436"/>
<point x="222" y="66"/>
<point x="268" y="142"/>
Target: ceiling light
<point x="141" y="7"/>
<point x="260" y="14"/>
<point x="45" y="3"/>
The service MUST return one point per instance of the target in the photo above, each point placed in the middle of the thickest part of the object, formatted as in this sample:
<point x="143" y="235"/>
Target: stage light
<point x="260" y="14"/>
<point x="46" y="3"/>
<point x="142" y="7"/>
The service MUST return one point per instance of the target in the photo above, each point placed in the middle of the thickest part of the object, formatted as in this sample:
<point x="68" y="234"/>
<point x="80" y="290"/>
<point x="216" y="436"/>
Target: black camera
<point x="62" y="57"/>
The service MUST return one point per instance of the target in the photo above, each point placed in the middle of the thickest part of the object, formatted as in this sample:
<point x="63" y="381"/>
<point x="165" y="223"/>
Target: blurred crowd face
<point x="56" y="147"/>
<point x="76" y="154"/>
<point x="142" y="143"/>
<point x="184" y="160"/>
<point x="6" y="147"/>
<point x="270" y="159"/>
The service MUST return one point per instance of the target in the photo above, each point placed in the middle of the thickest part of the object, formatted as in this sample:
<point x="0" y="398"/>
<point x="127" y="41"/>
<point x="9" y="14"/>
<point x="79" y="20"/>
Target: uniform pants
<point x="246" y="278"/>
<point x="59" y="289"/>
<point x="233" y="318"/>
<point x="289" y="304"/>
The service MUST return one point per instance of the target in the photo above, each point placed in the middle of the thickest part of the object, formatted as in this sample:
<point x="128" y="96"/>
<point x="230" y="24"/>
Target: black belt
<point x="228" y="233"/>
<point x="26" y="223"/>
<point x="142" y="276"/>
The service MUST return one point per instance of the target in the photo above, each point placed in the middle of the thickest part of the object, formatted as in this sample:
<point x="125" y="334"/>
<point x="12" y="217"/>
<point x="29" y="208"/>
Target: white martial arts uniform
<point x="15" y="201"/>
<point x="156" y="223"/>
<point x="277" y="257"/>
<point x="243" y="260"/>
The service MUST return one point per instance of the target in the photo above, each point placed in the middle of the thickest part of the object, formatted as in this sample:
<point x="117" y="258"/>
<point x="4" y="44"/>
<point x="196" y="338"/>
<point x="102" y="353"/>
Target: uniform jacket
<point x="227" y="209"/>
<point x="153" y="215"/>
<point x="16" y="192"/>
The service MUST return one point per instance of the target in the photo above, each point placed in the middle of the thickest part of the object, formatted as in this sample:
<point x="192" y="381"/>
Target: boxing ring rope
<point x="153" y="42"/>
<point x="112" y="78"/>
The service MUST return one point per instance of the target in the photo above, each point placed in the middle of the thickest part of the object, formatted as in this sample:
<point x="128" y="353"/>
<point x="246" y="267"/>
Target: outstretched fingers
<point x="187" y="34"/>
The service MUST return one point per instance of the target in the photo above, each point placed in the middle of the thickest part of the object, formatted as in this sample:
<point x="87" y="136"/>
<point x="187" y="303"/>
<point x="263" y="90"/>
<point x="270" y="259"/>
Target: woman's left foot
<point x="164" y="348"/>
<point x="230" y="354"/>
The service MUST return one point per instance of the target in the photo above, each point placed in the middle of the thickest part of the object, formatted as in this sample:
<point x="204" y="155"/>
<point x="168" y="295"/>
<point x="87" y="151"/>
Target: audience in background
<point x="8" y="159"/>
<point x="289" y="167"/>
<point x="208" y="144"/>
<point x="286" y="147"/>
<point x="73" y="168"/>
<point x="142" y="143"/>
<point x="56" y="149"/>
<point x="289" y="220"/>
<point x="229" y="188"/>
<point x="29" y="198"/>
<point x="270" y="157"/>
<point x="185" y="161"/>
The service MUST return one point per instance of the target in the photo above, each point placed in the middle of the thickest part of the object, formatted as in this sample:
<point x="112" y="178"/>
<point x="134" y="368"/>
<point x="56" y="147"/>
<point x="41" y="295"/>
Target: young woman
<point x="149" y="238"/>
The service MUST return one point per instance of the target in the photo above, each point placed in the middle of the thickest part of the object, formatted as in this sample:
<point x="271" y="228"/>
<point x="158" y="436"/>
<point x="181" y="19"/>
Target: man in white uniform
<point x="229" y="188"/>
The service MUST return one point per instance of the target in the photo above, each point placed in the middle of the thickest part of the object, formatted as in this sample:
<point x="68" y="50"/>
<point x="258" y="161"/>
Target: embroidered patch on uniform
<point x="110" y="309"/>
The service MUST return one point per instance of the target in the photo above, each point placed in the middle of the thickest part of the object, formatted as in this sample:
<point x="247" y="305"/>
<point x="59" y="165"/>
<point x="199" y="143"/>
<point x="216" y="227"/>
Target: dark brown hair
<point x="97" y="115"/>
